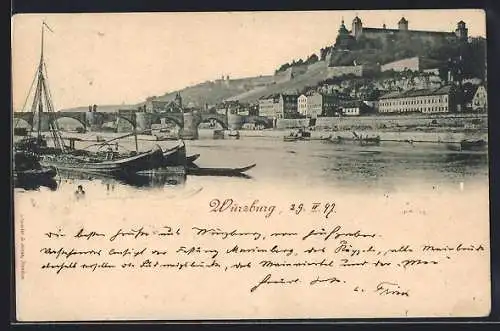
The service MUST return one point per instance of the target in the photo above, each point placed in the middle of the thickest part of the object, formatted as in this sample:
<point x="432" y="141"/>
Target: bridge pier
<point x="122" y="125"/>
<point x="235" y="121"/>
<point x="93" y="121"/>
<point x="190" y="129"/>
<point x="143" y="121"/>
<point x="44" y="124"/>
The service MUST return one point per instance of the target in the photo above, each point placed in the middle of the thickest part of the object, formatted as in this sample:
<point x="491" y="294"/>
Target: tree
<point x="323" y="53"/>
<point x="313" y="58"/>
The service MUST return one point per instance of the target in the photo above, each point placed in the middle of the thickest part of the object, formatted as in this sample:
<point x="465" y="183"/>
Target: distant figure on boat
<point x="109" y="154"/>
<point x="79" y="193"/>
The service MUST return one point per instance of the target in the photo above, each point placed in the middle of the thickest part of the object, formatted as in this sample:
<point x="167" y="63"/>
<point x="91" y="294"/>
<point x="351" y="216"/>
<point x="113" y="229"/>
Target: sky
<point x="123" y="58"/>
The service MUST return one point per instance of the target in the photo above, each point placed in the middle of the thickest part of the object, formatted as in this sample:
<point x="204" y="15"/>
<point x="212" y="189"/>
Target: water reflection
<point x="152" y="179"/>
<point x="35" y="183"/>
<point x="306" y="164"/>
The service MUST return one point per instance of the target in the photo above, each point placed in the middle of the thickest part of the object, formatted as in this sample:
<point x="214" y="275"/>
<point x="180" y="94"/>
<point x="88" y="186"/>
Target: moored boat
<point x="122" y="166"/>
<point x="473" y="145"/>
<point x="175" y="156"/>
<point x="190" y="159"/>
<point x="27" y="167"/>
<point x="231" y="172"/>
<point x="218" y="134"/>
<point x="235" y="134"/>
<point x="297" y="135"/>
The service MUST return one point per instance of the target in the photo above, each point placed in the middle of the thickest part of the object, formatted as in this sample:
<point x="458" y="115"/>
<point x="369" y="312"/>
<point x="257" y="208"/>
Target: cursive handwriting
<point x="336" y="234"/>
<point x="390" y="288"/>
<point x="224" y="234"/>
<point x="230" y="205"/>
<point x="288" y="257"/>
<point x="267" y="281"/>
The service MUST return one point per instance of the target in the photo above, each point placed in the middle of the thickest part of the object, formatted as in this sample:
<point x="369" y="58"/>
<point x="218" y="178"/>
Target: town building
<point x="159" y="106"/>
<point x="319" y="103"/>
<point x="355" y="108"/>
<point x="440" y="100"/>
<point x="480" y="99"/>
<point x="279" y="106"/>
<point x="268" y="106"/>
<point x="302" y="104"/>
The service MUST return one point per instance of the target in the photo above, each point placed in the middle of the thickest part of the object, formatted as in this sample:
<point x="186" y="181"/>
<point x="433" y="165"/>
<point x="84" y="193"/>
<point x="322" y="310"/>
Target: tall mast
<point x="44" y="93"/>
<point x="39" y="90"/>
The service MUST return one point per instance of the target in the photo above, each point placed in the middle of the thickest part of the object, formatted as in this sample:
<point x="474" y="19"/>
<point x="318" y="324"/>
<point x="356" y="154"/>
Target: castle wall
<point x="360" y="71"/>
<point x="402" y="65"/>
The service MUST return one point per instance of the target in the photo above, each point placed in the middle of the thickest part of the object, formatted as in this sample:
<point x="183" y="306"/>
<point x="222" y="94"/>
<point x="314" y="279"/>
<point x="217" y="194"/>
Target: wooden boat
<point x="122" y="166"/>
<point x="370" y="141"/>
<point x="27" y="167"/>
<point x="190" y="159"/>
<point x="468" y="145"/>
<point x="363" y="141"/>
<point x="218" y="134"/>
<point x="366" y="141"/>
<point x="473" y="145"/>
<point x="300" y="134"/>
<point x="231" y="172"/>
<point x="234" y="134"/>
<point x="175" y="156"/>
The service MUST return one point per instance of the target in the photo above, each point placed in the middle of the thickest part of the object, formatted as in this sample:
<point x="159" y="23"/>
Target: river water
<point x="389" y="167"/>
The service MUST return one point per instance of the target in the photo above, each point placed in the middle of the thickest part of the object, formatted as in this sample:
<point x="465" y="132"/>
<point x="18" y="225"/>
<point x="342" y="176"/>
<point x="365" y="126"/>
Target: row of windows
<point x="401" y="102"/>
<point x="416" y="109"/>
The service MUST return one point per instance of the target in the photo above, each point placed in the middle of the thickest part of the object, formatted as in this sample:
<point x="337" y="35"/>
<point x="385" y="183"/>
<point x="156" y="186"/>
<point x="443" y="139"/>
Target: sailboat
<point x="61" y="156"/>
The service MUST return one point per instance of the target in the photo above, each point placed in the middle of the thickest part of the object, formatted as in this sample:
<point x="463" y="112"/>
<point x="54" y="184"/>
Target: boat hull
<point x="123" y="166"/>
<point x="174" y="157"/>
<point x="230" y="172"/>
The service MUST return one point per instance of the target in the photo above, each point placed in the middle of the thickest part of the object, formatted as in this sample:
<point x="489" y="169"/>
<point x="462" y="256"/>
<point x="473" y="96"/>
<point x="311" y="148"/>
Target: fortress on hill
<point x="347" y="39"/>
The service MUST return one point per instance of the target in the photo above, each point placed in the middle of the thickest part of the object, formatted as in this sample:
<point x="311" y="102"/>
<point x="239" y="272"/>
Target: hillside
<point x="213" y="92"/>
<point x="301" y="75"/>
<point x="314" y="75"/>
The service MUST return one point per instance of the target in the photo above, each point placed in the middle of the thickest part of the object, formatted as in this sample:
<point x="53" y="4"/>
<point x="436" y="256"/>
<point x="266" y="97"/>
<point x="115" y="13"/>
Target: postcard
<point x="250" y="165"/>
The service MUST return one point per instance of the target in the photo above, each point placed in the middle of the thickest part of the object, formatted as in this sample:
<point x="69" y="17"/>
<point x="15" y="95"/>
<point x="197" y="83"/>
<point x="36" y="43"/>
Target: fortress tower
<point x="461" y="31"/>
<point x="403" y="24"/>
<point x="346" y="38"/>
<point x="357" y="27"/>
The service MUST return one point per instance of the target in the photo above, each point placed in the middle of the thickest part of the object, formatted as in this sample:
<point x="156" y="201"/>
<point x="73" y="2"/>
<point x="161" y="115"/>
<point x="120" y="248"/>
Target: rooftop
<point x="417" y="93"/>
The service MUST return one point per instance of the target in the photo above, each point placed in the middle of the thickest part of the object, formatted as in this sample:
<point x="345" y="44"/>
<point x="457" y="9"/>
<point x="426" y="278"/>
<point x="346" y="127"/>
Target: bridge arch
<point x="129" y="120"/>
<point x="20" y="122"/>
<point x="58" y="119"/>
<point x="259" y="121"/>
<point x="167" y="118"/>
<point x="212" y="119"/>
<point x="23" y="117"/>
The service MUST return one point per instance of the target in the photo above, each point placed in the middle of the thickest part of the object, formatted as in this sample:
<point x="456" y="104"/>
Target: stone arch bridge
<point x="188" y="122"/>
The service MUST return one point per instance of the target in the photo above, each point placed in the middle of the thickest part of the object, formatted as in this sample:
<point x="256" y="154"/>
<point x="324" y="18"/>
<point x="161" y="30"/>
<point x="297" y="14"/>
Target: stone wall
<point x="436" y="122"/>
<point x="292" y="123"/>
<point x="401" y="65"/>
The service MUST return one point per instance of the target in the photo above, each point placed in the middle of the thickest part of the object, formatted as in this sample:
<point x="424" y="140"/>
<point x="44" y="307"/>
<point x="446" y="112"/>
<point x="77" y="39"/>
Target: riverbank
<point x="435" y="136"/>
<point x="416" y="136"/>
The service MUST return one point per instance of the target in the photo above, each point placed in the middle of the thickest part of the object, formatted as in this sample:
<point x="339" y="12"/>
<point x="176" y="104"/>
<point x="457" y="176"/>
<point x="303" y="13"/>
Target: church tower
<point x="178" y="100"/>
<point x="461" y="31"/>
<point x="357" y="27"/>
<point x="403" y="24"/>
<point x="343" y="37"/>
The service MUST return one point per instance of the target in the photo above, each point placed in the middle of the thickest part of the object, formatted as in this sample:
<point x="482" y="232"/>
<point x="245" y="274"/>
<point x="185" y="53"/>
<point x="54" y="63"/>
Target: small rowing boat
<point x="230" y="172"/>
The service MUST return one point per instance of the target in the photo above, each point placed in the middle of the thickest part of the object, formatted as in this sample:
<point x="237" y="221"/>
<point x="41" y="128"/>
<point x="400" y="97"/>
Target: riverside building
<point x="440" y="100"/>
